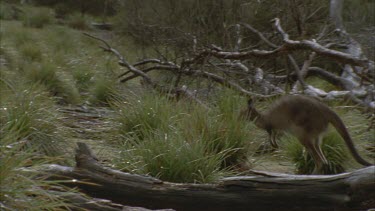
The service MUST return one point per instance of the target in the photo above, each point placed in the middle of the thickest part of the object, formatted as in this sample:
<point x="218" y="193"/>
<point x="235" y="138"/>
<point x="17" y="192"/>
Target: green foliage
<point x="103" y="92"/>
<point x="219" y="134"/>
<point x="333" y="148"/>
<point x="170" y="157"/>
<point x="20" y="36"/>
<point x="31" y="52"/>
<point x="30" y="115"/>
<point x="46" y="74"/>
<point x="140" y="116"/>
<point x="157" y="129"/>
<point x="22" y="190"/>
<point x="77" y="21"/>
<point x="37" y="19"/>
<point x="83" y="77"/>
<point x="9" y="11"/>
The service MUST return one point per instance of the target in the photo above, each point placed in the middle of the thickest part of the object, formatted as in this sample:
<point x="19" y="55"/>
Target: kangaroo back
<point x="336" y="121"/>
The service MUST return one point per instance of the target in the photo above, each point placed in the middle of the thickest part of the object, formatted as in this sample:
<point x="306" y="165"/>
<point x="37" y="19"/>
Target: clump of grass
<point x="21" y="36"/>
<point x="32" y="116"/>
<point x="170" y="157"/>
<point x="221" y="129"/>
<point x="220" y="135"/>
<point x="103" y="92"/>
<point x="139" y="116"/>
<point x="46" y="74"/>
<point x="333" y="148"/>
<point x="37" y="18"/>
<point x="25" y="190"/>
<point x="83" y="77"/>
<point x="9" y="11"/>
<point x="31" y="52"/>
<point x="62" y="40"/>
<point x="77" y="21"/>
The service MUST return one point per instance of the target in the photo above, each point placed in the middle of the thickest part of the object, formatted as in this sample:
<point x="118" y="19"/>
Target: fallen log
<point x="262" y="191"/>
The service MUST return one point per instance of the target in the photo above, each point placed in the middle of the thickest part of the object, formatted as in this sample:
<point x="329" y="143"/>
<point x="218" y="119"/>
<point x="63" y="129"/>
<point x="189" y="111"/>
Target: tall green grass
<point x="31" y="52"/>
<point x="46" y="74"/>
<point x="170" y="157"/>
<point x="180" y="141"/>
<point x="140" y="115"/>
<point x="21" y="189"/>
<point x="333" y="148"/>
<point x="37" y="18"/>
<point x="103" y="92"/>
<point x="31" y="114"/>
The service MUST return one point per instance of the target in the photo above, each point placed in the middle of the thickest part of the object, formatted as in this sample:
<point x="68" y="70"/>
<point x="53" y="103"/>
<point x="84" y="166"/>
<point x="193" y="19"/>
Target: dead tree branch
<point x="262" y="191"/>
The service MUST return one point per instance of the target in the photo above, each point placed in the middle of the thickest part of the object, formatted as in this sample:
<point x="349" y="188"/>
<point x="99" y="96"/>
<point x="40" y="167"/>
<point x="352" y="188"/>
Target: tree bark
<point x="262" y="191"/>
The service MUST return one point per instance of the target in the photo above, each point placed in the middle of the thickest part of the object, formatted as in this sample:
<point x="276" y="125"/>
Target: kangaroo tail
<point x="340" y="127"/>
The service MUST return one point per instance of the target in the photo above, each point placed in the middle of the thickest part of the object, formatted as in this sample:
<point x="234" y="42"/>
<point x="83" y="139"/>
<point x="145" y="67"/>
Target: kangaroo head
<point x="249" y="113"/>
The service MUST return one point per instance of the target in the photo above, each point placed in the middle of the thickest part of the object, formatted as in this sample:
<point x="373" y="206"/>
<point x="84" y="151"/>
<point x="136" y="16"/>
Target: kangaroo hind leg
<point x="315" y="152"/>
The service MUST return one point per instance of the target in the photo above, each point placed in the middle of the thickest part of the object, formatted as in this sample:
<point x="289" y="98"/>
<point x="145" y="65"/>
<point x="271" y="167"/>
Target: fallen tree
<point x="261" y="191"/>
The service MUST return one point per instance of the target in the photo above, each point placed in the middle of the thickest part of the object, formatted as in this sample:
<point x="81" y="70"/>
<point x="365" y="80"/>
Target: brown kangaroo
<point x="305" y="118"/>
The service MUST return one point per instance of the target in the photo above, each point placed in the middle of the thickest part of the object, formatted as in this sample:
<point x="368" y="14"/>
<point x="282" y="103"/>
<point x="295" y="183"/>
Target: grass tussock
<point x="37" y="18"/>
<point x="21" y="189"/>
<point x="333" y="148"/>
<point x="159" y="133"/>
<point x="32" y="117"/>
<point x="170" y="157"/>
<point x="77" y="21"/>
<point x="103" y="92"/>
<point x="46" y="74"/>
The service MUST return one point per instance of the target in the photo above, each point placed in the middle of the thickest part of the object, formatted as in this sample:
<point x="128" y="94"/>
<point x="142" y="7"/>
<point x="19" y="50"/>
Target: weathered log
<point x="263" y="191"/>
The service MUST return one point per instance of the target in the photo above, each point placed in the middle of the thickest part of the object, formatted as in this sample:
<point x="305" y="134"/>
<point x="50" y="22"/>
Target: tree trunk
<point x="263" y="191"/>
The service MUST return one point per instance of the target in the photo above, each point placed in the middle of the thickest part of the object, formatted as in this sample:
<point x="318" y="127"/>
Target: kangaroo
<point x="305" y="118"/>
